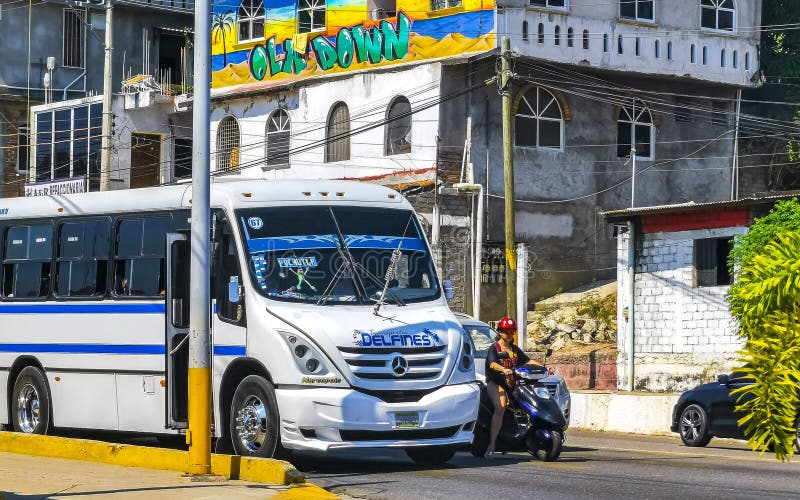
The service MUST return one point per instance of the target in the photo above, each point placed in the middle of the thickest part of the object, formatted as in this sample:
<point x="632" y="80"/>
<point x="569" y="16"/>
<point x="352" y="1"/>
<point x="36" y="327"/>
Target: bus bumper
<point x="330" y="418"/>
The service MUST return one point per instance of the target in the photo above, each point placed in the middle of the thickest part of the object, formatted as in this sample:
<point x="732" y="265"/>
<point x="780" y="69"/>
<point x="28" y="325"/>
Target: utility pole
<point x="105" y="152"/>
<point x="198" y="437"/>
<point x="508" y="176"/>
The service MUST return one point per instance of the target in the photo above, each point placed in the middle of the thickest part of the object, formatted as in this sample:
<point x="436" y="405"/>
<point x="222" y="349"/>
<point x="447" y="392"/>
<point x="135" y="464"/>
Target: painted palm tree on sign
<point x="220" y="24"/>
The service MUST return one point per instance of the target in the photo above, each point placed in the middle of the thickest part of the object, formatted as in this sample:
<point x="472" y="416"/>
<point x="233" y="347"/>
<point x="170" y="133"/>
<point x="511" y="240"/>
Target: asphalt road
<point x="593" y="465"/>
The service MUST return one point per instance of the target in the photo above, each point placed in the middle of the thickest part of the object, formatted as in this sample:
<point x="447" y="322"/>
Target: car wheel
<point x="479" y="443"/>
<point x="431" y="455"/>
<point x="797" y="436"/>
<point x="31" y="410"/>
<point x="254" y="419"/>
<point x="693" y="426"/>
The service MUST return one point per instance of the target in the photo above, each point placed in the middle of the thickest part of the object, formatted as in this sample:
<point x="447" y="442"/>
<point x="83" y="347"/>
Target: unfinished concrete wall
<point x="683" y="333"/>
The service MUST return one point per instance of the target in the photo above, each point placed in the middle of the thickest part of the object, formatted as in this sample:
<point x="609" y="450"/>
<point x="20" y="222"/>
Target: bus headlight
<point x="465" y="363"/>
<point x="306" y="357"/>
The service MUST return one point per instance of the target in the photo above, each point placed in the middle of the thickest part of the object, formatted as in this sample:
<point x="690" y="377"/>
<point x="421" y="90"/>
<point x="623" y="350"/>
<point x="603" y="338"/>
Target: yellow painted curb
<point x="260" y="470"/>
<point x="305" y="491"/>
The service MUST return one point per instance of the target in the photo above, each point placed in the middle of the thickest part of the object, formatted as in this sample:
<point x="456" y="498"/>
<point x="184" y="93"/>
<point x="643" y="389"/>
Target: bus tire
<point x="31" y="408"/>
<point x="254" y="418"/>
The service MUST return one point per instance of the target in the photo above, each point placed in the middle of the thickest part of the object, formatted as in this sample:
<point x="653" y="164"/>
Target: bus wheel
<point x="254" y="418"/>
<point x="30" y="405"/>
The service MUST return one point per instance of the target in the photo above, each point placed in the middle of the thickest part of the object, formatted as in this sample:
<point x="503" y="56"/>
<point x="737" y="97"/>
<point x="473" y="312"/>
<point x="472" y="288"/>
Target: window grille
<point x="337" y="134"/>
<point x="585" y="39"/>
<point x="73" y="38"/>
<point x="251" y="20"/>
<point x="228" y="145"/>
<point x="711" y="261"/>
<point x="635" y="129"/>
<point x="538" y="122"/>
<point x="279" y="129"/>
<point x="570" y="36"/>
<point x="557" y="35"/>
<point x="398" y="128"/>
<point x="311" y="15"/>
<point x="540" y="33"/>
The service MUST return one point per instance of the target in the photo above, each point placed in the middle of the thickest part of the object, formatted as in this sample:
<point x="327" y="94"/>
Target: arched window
<point x="692" y="54"/>
<point x="657" y="49"/>
<point x="557" y="35"/>
<point x="619" y="44"/>
<point x="279" y="128"/>
<point x="722" y="60"/>
<point x="735" y="59"/>
<point x="398" y="127"/>
<point x="337" y="134"/>
<point x="635" y="129"/>
<point x="310" y="15"/>
<point x="585" y="39"/>
<point x="747" y="61"/>
<point x="540" y="33"/>
<point x="705" y="55"/>
<point x="570" y="36"/>
<point x="669" y="50"/>
<point x="538" y="122"/>
<point x="251" y="20"/>
<point x="228" y="144"/>
<point x="719" y="15"/>
<point x="525" y="30"/>
<point x="605" y="42"/>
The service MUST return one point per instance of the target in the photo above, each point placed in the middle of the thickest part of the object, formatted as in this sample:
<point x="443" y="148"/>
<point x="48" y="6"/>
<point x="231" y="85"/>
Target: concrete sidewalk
<point x="28" y="477"/>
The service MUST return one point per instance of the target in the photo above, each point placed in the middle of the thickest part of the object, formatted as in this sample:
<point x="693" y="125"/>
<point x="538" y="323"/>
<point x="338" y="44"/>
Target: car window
<point x="482" y="338"/>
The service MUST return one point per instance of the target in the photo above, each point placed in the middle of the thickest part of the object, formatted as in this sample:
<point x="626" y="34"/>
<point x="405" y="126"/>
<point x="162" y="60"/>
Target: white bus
<point x="314" y="344"/>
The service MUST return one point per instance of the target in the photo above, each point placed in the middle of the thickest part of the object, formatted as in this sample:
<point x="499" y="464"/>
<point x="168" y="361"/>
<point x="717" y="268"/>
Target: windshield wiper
<point x="391" y="273"/>
<point x="344" y="252"/>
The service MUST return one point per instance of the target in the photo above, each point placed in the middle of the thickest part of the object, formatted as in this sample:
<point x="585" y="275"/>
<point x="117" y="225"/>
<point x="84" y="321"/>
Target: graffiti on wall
<point x="356" y="44"/>
<point x="269" y="42"/>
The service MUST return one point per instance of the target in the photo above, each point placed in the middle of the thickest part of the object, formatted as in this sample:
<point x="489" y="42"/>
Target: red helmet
<point x="507" y="324"/>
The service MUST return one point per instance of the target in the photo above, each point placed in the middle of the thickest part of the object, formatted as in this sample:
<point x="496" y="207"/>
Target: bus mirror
<point x="233" y="290"/>
<point x="448" y="289"/>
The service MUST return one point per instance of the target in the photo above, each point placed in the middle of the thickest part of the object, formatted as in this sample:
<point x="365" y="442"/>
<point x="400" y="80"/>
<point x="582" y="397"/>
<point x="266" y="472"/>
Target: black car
<point x="709" y="411"/>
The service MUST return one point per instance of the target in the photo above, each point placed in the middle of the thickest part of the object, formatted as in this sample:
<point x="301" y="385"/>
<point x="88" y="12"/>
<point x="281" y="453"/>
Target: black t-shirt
<point x="517" y="358"/>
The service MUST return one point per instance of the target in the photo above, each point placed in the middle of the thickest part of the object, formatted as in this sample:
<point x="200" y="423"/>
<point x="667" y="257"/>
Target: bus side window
<point x="228" y="274"/>
<point x="139" y="257"/>
<point x="82" y="258"/>
<point x="27" y="260"/>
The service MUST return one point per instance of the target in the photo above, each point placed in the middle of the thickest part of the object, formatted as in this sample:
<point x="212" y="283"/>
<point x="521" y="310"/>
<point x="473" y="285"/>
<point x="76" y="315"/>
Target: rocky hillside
<point x="576" y="321"/>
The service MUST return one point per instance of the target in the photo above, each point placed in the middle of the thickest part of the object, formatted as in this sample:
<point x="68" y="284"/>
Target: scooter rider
<point x="503" y="357"/>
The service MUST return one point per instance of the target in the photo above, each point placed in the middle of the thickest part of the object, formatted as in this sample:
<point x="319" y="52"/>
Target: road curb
<point x="260" y="470"/>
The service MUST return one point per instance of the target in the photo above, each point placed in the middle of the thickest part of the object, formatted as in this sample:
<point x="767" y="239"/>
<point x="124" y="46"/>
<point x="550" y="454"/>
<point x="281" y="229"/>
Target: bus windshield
<point x="337" y="255"/>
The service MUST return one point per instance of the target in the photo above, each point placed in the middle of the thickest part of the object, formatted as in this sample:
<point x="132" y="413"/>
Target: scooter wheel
<point x="547" y="450"/>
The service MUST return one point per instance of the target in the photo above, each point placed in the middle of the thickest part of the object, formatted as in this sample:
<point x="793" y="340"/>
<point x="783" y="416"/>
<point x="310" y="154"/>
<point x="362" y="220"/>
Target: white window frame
<point x="26" y="131"/>
<point x="250" y="19"/>
<point x="538" y="91"/>
<point x="311" y="6"/>
<point x="281" y="127"/>
<point x="637" y="17"/>
<point x="717" y="8"/>
<point x="547" y="5"/>
<point x="631" y="114"/>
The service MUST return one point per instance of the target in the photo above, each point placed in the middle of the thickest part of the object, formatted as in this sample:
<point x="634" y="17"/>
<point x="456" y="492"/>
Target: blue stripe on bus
<point x="229" y="350"/>
<point x="154" y="349"/>
<point x="65" y="308"/>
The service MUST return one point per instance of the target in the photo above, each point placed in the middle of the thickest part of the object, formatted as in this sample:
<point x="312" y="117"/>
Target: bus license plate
<point x="406" y="419"/>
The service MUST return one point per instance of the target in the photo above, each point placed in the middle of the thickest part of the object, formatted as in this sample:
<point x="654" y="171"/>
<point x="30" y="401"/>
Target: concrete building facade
<point x="54" y="51"/>
<point x="683" y="332"/>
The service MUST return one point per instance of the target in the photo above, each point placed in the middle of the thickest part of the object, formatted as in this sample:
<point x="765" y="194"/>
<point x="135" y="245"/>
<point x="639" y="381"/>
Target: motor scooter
<point x="533" y="420"/>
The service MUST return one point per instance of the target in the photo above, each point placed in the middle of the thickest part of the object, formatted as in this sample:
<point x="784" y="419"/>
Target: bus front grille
<point x="381" y="363"/>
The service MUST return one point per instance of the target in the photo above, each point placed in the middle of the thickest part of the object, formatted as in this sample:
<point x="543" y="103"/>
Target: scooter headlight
<point x="542" y="392"/>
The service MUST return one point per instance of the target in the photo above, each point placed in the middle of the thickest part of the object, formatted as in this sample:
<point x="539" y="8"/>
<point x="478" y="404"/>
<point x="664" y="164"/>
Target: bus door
<point x="229" y="318"/>
<point x="176" y="341"/>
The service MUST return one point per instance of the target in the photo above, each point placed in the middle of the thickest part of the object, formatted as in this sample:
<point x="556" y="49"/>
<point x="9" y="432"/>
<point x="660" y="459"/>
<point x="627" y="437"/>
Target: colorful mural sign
<point x="349" y="41"/>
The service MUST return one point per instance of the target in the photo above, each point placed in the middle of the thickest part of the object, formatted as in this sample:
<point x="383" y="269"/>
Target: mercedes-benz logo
<point x="399" y="366"/>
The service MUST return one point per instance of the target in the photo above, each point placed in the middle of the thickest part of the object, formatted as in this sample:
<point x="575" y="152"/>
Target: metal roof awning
<point x="632" y="213"/>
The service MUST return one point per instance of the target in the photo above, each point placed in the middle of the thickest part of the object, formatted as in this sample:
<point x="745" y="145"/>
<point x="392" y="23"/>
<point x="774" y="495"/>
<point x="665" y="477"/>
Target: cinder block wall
<point x="684" y="334"/>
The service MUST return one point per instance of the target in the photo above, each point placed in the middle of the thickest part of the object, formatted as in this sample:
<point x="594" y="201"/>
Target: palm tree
<point x="767" y="304"/>
<point x="221" y="23"/>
